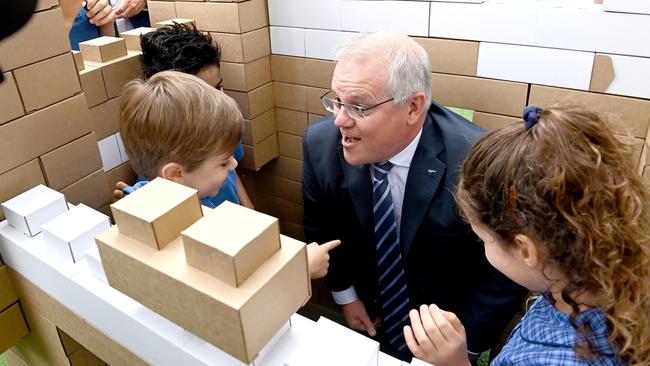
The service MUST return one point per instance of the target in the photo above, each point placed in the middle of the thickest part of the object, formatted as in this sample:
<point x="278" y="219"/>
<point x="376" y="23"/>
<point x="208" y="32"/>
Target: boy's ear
<point x="527" y="250"/>
<point x="172" y="171"/>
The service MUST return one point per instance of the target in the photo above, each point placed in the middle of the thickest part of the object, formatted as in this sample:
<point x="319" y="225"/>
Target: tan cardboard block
<point x="132" y="37"/>
<point x="12" y="327"/>
<point x="259" y="128"/>
<point x="302" y="71"/>
<point x="103" y="49"/>
<point x="19" y="180"/>
<point x="7" y="293"/>
<point x="255" y="102"/>
<point x="90" y="190"/>
<point x="118" y="72"/>
<point x="246" y="77"/>
<point x="161" y="10"/>
<point x="92" y="84"/>
<point x="71" y="162"/>
<point x="485" y="95"/>
<point x="225" y="17"/>
<point x="489" y="121"/>
<point x="602" y="73"/>
<point x="256" y="156"/>
<point x="314" y="102"/>
<point x="313" y="117"/>
<point x="284" y="167"/>
<point x="83" y="357"/>
<point x="451" y="56"/>
<point x="630" y="115"/>
<point x="246" y="240"/>
<point x="35" y="134"/>
<point x="292" y="122"/>
<point x="279" y="187"/>
<point x="78" y="60"/>
<point x="11" y="107"/>
<point x="121" y="173"/>
<point x="290" y="96"/>
<point x="69" y="344"/>
<point x="46" y="4"/>
<point x="280" y="208"/>
<point x="105" y="118"/>
<point x="238" y="320"/>
<point x="47" y="82"/>
<point x="157" y="213"/>
<point x="290" y="146"/>
<point x="297" y="232"/>
<point x="189" y="22"/>
<point x="46" y="35"/>
<point x="245" y="47"/>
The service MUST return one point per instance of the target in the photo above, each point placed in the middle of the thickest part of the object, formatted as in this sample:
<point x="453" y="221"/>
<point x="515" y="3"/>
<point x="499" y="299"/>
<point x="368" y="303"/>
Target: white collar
<point x="404" y="157"/>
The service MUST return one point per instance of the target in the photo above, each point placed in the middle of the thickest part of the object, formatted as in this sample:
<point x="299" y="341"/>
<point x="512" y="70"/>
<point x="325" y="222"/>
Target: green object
<point x="466" y="113"/>
<point x="3" y="361"/>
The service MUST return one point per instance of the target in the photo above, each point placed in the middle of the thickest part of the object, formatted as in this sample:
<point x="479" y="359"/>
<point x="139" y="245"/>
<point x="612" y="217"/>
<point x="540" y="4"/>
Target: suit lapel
<point x="357" y="182"/>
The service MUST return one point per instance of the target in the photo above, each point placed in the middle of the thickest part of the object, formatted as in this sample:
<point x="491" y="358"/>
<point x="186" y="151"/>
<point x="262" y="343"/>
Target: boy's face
<point x="210" y="175"/>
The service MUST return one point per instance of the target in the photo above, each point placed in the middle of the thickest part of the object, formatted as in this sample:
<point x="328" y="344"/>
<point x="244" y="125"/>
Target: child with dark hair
<point x="561" y="211"/>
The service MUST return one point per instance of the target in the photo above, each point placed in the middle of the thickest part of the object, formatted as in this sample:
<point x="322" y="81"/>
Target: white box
<point x="120" y="145"/>
<point x="110" y="152"/>
<point x="631" y="75"/>
<point x="418" y="362"/>
<point x="332" y="344"/>
<point x="72" y="233"/>
<point x="287" y="41"/>
<point x="95" y="263"/>
<point x="317" y="14"/>
<point x="409" y="17"/>
<point x="322" y="44"/>
<point x="627" y="6"/>
<point x="28" y="211"/>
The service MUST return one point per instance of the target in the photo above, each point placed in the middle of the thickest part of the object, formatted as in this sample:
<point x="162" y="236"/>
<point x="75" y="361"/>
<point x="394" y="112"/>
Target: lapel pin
<point x="431" y="172"/>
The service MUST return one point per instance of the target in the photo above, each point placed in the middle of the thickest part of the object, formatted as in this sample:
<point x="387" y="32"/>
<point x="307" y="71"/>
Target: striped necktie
<point x="392" y="282"/>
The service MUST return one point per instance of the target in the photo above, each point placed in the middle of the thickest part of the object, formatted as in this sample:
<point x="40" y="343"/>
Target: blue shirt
<point x="81" y="30"/>
<point x="545" y="336"/>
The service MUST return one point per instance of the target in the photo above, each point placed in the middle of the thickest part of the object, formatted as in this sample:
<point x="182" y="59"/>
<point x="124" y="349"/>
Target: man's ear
<point x="416" y="107"/>
<point x="526" y="249"/>
<point x="172" y="171"/>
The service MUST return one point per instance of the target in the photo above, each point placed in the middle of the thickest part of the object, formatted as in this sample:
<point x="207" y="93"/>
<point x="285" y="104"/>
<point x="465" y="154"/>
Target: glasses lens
<point x="355" y="112"/>
<point x="328" y="104"/>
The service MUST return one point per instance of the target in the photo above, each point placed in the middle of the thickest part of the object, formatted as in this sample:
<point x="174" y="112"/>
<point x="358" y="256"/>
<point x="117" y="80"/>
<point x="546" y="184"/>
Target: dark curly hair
<point x="177" y="47"/>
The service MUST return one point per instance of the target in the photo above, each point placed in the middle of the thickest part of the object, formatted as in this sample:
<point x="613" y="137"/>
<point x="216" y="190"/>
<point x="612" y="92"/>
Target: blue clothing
<point x="545" y="336"/>
<point x="82" y="30"/>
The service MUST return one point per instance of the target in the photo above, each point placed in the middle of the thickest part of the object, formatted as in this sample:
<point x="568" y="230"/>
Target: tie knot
<point x="382" y="168"/>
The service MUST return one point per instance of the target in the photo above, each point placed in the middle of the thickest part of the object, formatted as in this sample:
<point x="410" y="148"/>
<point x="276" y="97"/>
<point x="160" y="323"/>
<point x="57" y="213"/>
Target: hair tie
<point x="531" y="116"/>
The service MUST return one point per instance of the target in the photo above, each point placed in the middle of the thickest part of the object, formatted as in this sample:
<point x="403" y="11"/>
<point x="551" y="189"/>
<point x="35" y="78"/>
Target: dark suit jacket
<point x="444" y="262"/>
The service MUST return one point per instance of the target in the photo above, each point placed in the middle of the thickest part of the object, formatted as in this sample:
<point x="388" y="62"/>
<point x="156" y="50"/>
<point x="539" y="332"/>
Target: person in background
<point x="130" y="14"/>
<point x="87" y="20"/>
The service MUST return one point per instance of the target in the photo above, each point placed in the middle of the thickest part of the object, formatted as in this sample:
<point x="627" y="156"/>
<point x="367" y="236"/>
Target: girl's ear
<point x="526" y="249"/>
<point x="172" y="171"/>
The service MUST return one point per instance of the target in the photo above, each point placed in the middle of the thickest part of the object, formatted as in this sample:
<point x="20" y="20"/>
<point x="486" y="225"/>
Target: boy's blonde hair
<point x="176" y="117"/>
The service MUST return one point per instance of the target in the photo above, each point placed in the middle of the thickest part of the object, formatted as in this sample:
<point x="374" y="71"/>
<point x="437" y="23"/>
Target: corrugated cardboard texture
<point x="161" y="10"/>
<point x="253" y="103"/>
<point x="246" y="77"/>
<point x="122" y="173"/>
<point x="280" y="208"/>
<point x="19" y="180"/>
<point x="225" y="17"/>
<point x="257" y="156"/>
<point x="602" y="73"/>
<point x="245" y="47"/>
<point x="285" y="168"/>
<point x="105" y="118"/>
<point x="313" y="117"/>
<point x="90" y="190"/>
<point x="118" y="72"/>
<point x="71" y="162"/>
<point x="450" y="56"/>
<point x="47" y="82"/>
<point x="102" y="49"/>
<point x="302" y="71"/>
<point x="33" y="135"/>
<point x="45" y="4"/>
<point x="132" y="37"/>
<point x="314" y="101"/>
<point x="8" y="295"/>
<point x="11" y="107"/>
<point x="490" y="121"/>
<point x="189" y="22"/>
<point x="297" y="232"/>
<point x="259" y="128"/>
<point x="78" y="60"/>
<point x="290" y="145"/>
<point x="12" y="327"/>
<point x="92" y="84"/>
<point x="158" y="212"/>
<point x="279" y="187"/>
<point x="290" y="96"/>
<point x="69" y="344"/>
<point x="292" y="122"/>
<point x="83" y="357"/>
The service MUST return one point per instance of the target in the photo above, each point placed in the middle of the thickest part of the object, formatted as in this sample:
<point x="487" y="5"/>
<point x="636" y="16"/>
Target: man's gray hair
<point x="409" y="69"/>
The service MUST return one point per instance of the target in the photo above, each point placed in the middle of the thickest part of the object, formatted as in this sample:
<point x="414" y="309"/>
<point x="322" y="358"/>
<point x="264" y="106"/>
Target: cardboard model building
<point x="229" y="276"/>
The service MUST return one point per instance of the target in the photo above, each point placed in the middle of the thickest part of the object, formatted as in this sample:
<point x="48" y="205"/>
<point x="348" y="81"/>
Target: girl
<point x="561" y="211"/>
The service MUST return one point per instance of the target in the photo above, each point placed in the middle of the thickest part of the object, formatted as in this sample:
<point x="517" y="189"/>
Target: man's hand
<point x="129" y="8"/>
<point x="319" y="258"/>
<point x="99" y="12"/>
<point x="437" y="336"/>
<point x="357" y="317"/>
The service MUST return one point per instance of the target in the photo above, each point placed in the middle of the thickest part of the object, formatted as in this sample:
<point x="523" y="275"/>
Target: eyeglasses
<point x="356" y="112"/>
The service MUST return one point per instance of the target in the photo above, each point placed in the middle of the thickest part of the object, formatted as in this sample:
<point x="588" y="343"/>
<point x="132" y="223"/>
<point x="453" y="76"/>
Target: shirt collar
<point x="404" y="157"/>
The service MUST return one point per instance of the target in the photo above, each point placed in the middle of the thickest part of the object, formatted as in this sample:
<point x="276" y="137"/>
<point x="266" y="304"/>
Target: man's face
<point x="211" y="75"/>
<point x="383" y="132"/>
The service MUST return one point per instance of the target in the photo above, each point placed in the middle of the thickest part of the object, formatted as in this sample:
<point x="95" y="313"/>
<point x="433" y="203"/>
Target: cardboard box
<point x="255" y="102"/>
<point x="234" y="253"/>
<point x="14" y="360"/>
<point x="7" y="293"/>
<point x="95" y="263"/>
<point x="256" y="156"/>
<point x="280" y="208"/>
<point x="105" y="118"/>
<point x="295" y="231"/>
<point x="28" y="211"/>
<point x="323" y="43"/>
<point x="102" y="49"/>
<point x="132" y="37"/>
<point x="157" y="213"/>
<point x="19" y="180"/>
<point x="110" y="152"/>
<point x="78" y="60"/>
<point x="92" y="84"/>
<point x="246" y="77"/>
<point x="69" y="344"/>
<point x="118" y="72"/>
<point x="83" y="357"/>
<point x="302" y="71"/>
<point x="314" y="14"/>
<point x="290" y="96"/>
<point x="12" y="327"/>
<point x="90" y="190"/>
<point x="46" y="35"/>
<point x="288" y="41"/>
<point x="73" y="232"/>
<point x="292" y="122"/>
<point x="632" y="116"/>
<point x="122" y="173"/>
<point x="189" y="22"/>
<point x="314" y="101"/>
<point x="364" y="16"/>
<point x="225" y="17"/>
<point x="259" y="128"/>
<point x="451" y="56"/>
<point x="485" y="95"/>
<point x="627" y="6"/>
<point x="290" y="146"/>
<point x="243" y="48"/>
<point x="161" y="10"/>
<point x="635" y="145"/>
<point x="489" y="121"/>
<point x="313" y="117"/>
<point x="284" y="167"/>
<point x="279" y="187"/>
<point x="64" y="165"/>
<point x="45" y="4"/>
<point x="120" y="145"/>
<point x="11" y="107"/>
<point x="47" y="82"/>
<point x="624" y="75"/>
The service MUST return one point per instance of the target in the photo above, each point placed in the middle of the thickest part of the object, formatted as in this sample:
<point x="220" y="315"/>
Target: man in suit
<point x="379" y="174"/>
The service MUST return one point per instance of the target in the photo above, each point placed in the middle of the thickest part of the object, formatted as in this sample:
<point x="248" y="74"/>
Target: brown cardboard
<point x="35" y="134"/>
<point x="161" y="10"/>
<point x="302" y="71"/>
<point x="92" y="84"/>
<point x="285" y="168"/>
<point x="602" y="74"/>
<point x="11" y="107"/>
<point x="292" y="122"/>
<point x="314" y="101"/>
<point x="105" y="118"/>
<point x="630" y="116"/>
<point x="121" y="173"/>
<point x="69" y="344"/>
<point x="46" y="4"/>
<point x="12" y="327"/>
<point x="78" y="60"/>
<point x="635" y="145"/>
<point x="239" y="321"/>
<point x="255" y="102"/>
<point x="13" y="360"/>
<point x="290" y="146"/>
<point x="47" y="82"/>
<point x="246" y="77"/>
<point x="259" y="128"/>
<point x="157" y="212"/>
<point x="7" y="293"/>
<point x="313" y="117"/>
<point x="132" y="37"/>
<point x="244" y="47"/>
<point x="46" y="35"/>
<point x="256" y="156"/>
<point x="279" y="187"/>
<point x="485" y="95"/>
<point x="280" y="208"/>
<point x="290" y="96"/>
<point x="646" y="174"/>
<point x="451" y="56"/>
<point x="19" y="180"/>
<point x="234" y="254"/>
<point x="295" y="231"/>
<point x="83" y="357"/>
<point x="225" y="17"/>
<point x="90" y="190"/>
<point x="118" y="72"/>
<point x="42" y="346"/>
<point x="71" y="162"/>
<point x="189" y="22"/>
<point x="102" y="49"/>
<point x="489" y="121"/>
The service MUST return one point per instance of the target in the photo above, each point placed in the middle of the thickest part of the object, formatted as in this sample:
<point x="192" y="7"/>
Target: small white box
<point x="287" y="41"/>
<point x="627" y="6"/>
<point x="28" y="211"/>
<point x="120" y="145"/>
<point x="373" y="16"/>
<point x="95" y="263"/>
<point x="110" y="152"/>
<point x="332" y="344"/>
<point x="322" y="44"/>
<point x="72" y="233"/>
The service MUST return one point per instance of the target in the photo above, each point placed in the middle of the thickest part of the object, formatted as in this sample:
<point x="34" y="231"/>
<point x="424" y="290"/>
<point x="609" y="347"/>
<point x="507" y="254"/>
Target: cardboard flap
<point x="602" y="73"/>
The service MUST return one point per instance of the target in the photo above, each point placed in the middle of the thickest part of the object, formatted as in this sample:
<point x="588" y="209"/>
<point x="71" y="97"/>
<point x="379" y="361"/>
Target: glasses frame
<point x="349" y="107"/>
